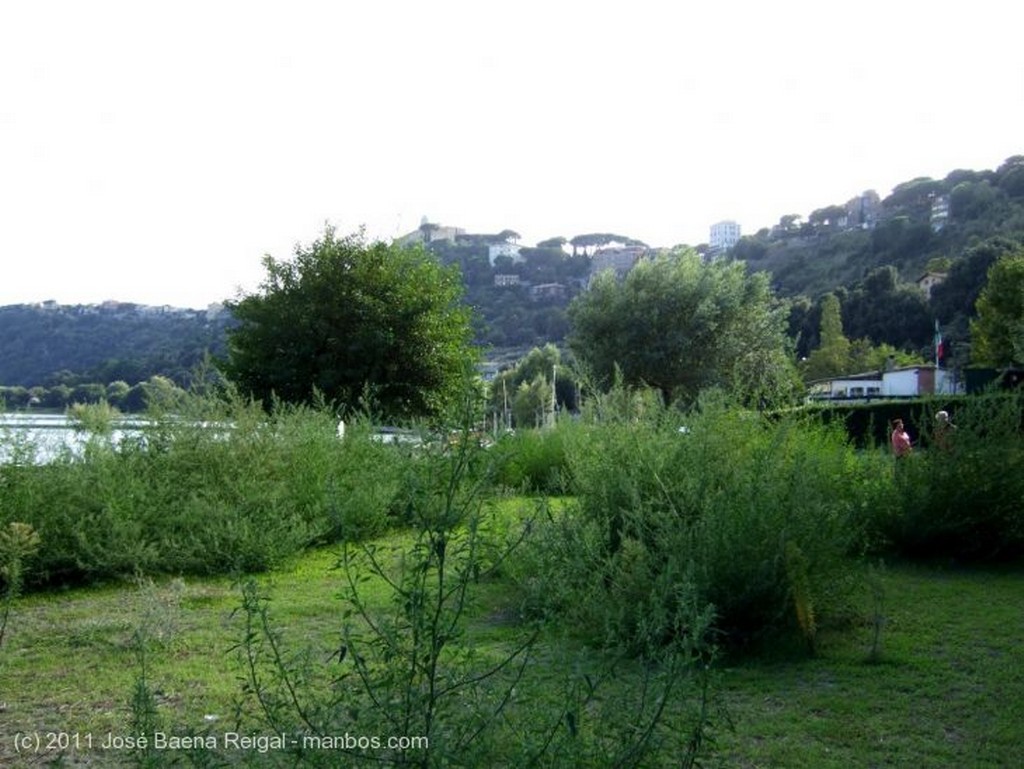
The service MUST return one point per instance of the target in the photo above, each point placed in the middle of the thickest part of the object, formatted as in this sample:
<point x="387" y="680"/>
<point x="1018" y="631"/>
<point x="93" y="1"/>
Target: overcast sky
<point x="154" y="151"/>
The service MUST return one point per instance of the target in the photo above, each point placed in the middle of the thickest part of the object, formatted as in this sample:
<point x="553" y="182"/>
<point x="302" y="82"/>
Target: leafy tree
<point x="885" y="310"/>
<point x="346" y="318"/>
<point x="88" y="393"/>
<point x="939" y="264"/>
<point x="830" y="216"/>
<point x="540" y="360"/>
<point x="521" y="384"/>
<point x="57" y="397"/>
<point x="13" y="397"/>
<point x="532" y="402"/>
<point x="804" y="325"/>
<point x="76" y="344"/>
<point x="591" y="241"/>
<point x="901" y="240"/>
<point x="953" y="301"/>
<point x="833" y="354"/>
<point x="837" y="355"/>
<point x="865" y="356"/>
<point x="117" y="392"/>
<point x="750" y="248"/>
<point x="997" y="334"/>
<point x="680" y="325"/>
<point x="913" y="198"/>
<point x="789" y="223"/>
<point x="972" y="200"/>
<point x="960" y="175"/>
<point x="1011" y="176"/>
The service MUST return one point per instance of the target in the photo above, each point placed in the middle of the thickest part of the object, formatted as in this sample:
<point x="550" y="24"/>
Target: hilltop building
<point x="940" y="212"/>
<point x="620" y="259"/>
<point x="863" y="211"/>
<point x="724" y="235"/>
<point x="429" y="233"/>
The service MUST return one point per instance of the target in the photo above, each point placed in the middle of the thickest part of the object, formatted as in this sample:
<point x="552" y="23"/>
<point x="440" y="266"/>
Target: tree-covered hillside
<point x="921" y="221"/>
<point x="869" y="252"/>
<point x="872" y="251"/>
<point x="50" y="344"/>
<point x="510" y="305"/>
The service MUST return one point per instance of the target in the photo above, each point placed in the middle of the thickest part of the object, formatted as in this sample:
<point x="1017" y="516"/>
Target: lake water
<point x="40" y="438"/>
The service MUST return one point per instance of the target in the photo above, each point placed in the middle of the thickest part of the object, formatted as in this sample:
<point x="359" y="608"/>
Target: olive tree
<point x="679" y="325"/>
<point x="346" y="319"/>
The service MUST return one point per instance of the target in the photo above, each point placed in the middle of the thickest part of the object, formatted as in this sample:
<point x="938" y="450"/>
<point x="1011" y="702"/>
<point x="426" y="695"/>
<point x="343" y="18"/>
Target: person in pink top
<point x="900" y="439"/>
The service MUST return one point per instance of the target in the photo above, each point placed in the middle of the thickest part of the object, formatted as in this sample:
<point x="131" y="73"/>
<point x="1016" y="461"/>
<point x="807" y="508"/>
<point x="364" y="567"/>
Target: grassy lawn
<point x="947" y="688"/>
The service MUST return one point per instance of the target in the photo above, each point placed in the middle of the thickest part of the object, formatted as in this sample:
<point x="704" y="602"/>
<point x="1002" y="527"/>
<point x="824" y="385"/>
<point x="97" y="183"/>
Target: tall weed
<point x="531" y="461"/>
<point x="754" y="517"/>
<point x="960" y="496"/>
<point x="219" y="486"/>
<point x="405" y="664"/>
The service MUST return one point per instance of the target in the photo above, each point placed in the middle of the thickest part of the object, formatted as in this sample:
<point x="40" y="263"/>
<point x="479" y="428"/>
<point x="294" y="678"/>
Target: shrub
<point x="961" y="498"/>
<point x="218" y="487"/>
<point x="531" y="461"/>
<point x="752" y="516"/>
<point x="408" y="663"/>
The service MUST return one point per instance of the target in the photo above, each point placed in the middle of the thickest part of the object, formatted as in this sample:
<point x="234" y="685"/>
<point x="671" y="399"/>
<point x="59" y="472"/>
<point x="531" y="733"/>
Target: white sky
<point x="154" y="151"/>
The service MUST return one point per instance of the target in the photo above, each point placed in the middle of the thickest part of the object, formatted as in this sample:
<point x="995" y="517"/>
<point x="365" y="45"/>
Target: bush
<point x="961" y="498"/>
<point x="219" y="487"/>
<point x="531" y="461"/>
<point x="754" y="517"/>
<point x="410" y="662"/>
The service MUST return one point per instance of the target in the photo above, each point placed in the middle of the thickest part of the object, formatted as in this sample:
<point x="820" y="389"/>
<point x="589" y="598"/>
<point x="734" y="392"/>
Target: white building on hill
<point x="724" y="235"/>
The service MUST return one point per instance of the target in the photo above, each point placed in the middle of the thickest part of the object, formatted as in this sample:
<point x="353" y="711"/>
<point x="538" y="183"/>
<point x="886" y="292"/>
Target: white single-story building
<point x="906" y="382"/>
<point x="918" y="380"/>
<point x="866" y="385"/>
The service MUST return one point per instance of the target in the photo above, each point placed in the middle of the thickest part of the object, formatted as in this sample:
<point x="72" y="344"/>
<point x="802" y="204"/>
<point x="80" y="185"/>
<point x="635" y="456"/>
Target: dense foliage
<point x="765" y="519"/>
<point x="682" y="325"/>
<point x="869" y="253"/>
<point x="714" y="506"/>
<point x="762" y="518"/>
<point x="998" y="331"/>
<point x="119" y="395"/>
<point x="215" y="489"/>
<point x="836" y="355"/>
<point x="49" y="345"/>
<point x="512" y="314"/>
<point x="956" y="225"/>
<point x="531" y="392"/>
<point x="351" y="321"/>
<point x="840" y="246"/>
<point x="958" y="496"/>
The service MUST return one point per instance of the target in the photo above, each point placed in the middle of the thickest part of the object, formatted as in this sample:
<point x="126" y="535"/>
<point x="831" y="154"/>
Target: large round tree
<point x="349" y="319"/>
<point x="997" y="333"/>
<point x="679" y="325"/>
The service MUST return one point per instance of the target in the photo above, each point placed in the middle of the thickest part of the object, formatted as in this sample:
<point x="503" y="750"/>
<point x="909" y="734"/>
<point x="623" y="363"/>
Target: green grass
<point x="947" y="688"/>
